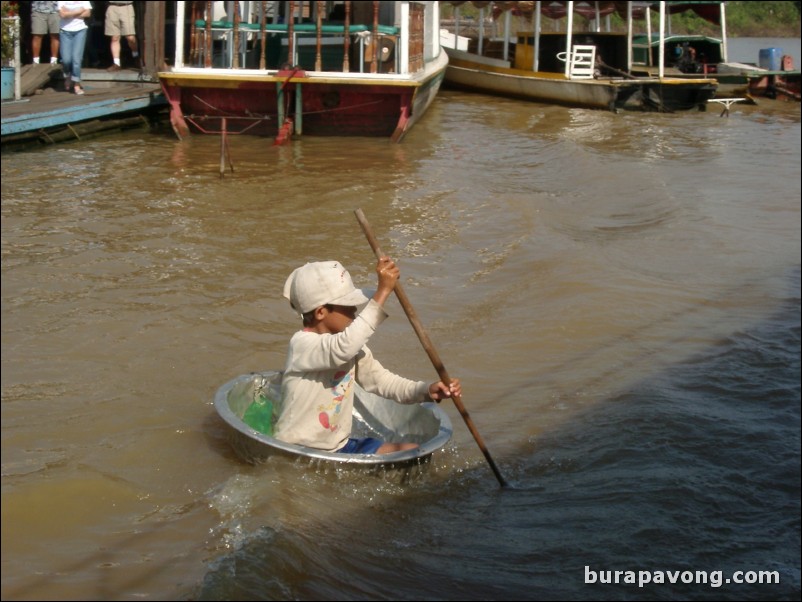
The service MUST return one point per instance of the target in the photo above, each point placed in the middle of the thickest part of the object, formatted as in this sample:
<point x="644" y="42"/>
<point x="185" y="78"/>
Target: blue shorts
<point x="366" y="445"/>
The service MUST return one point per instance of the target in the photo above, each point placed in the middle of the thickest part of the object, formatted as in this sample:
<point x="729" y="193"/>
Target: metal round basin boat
<point x="426" y="424"/>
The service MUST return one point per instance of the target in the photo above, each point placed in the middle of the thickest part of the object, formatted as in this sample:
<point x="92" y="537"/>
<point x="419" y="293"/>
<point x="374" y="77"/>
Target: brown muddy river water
<point x="619" y="294"/>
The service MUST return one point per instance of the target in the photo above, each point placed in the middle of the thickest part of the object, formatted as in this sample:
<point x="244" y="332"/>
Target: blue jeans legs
<point x="72" y="52"/>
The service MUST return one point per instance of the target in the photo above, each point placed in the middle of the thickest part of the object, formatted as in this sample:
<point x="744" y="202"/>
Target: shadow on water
<point x="692" y="476"/>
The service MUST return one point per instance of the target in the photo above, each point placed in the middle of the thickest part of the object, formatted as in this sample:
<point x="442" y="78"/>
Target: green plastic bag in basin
<point x="259" y="415"/>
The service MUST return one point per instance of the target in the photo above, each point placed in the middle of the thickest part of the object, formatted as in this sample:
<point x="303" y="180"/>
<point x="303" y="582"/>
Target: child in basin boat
<point x="330" y="353"/>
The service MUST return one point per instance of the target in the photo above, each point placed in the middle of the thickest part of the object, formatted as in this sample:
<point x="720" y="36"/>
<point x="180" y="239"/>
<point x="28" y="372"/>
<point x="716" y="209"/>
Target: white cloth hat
<point x="322" y="283"/>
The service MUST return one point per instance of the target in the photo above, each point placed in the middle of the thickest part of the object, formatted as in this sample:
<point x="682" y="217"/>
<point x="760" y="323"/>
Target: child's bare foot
<point x="388" y="448"/>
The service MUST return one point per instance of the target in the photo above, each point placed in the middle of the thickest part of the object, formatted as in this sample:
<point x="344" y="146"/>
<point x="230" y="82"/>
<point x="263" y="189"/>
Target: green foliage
<point x="763" y="19"/>
<point x="8" y="33"/>
<point x="744" y="19"/>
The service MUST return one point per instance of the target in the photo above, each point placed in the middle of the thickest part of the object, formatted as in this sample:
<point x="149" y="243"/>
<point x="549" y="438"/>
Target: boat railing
<point x="313" y="47"/>
<point x="394" y="38"/>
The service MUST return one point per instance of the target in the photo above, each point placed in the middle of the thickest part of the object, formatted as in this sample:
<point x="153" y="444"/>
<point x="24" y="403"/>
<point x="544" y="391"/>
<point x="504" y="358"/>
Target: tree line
<point x="744" y="20"/>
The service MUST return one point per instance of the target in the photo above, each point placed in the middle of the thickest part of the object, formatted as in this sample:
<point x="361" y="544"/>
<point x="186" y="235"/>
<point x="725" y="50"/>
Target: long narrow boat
<point x="245" y="404"/>
<point x="290" y="68"/>
<point x="586" y="68"/>
<point x="488" y="75"/>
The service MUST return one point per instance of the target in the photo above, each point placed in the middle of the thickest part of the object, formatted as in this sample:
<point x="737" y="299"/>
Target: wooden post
<point x="223" y="149"/>
<point x="193" y="33"/>
<point x="347" y="37"/>
<point x="262" y="35"/>
<point x="291" y="35"/>
<point x="235" y="38"/>
<point x="373" y="64"/>
<point x="279" y="103"/>
<point x="152" y="43"/>
<point x="298" y="125"/>
<point x="319" y="35"/>
<point x="207" y="59"/>
<point x="224" y="152"/>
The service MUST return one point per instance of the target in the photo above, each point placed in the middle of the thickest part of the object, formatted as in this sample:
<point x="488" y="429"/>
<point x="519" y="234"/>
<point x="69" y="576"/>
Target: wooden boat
<point x="426" y="424"/>
<point x="487" y="75"/>
<point x="591" y="69"/>
<point x="690" y="55"/>
<point x="363" y="69"/>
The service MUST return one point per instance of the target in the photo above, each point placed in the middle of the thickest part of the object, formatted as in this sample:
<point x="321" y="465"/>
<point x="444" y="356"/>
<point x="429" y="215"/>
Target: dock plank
<point x="35" y="77"/>
<point x="52" y="107"/>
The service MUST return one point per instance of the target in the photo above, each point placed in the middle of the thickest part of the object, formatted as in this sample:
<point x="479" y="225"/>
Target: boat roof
<point x="710" y="11"/>
<point x="674" y="38"/>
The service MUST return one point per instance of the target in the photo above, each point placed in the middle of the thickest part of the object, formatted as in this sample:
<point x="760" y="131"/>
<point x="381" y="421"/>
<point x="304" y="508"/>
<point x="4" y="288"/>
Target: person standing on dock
<point x="120" y="21"/>
<point x="73" y="40"/>
<point x="44" y="22"/>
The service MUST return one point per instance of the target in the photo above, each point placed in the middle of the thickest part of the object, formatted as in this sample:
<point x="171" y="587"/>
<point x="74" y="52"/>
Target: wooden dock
<point x="47" y="114"/>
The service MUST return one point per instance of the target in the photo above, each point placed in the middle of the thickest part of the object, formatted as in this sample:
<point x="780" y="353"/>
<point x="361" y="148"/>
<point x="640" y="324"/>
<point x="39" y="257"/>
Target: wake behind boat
<point x="245" y="404"/>
<point x="290" y="68"/>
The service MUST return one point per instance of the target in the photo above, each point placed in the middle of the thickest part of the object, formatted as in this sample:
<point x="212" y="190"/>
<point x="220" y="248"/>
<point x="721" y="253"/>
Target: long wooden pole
<point x="429" y="347"/>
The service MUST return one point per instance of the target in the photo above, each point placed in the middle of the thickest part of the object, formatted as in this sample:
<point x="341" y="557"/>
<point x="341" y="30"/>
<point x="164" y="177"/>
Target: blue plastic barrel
<point x="771" y="59"/>
<point x="8" y="83"/>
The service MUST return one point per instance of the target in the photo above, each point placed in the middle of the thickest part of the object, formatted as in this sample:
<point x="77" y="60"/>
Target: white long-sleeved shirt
<point x="317" y="389"/>
<point x="74" y="23"/>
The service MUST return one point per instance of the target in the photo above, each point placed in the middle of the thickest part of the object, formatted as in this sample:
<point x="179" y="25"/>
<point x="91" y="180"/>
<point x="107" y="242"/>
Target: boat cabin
<point x="686" y="53"/>
<point x="610" y="51"/>
<point x="356" y="37"/>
